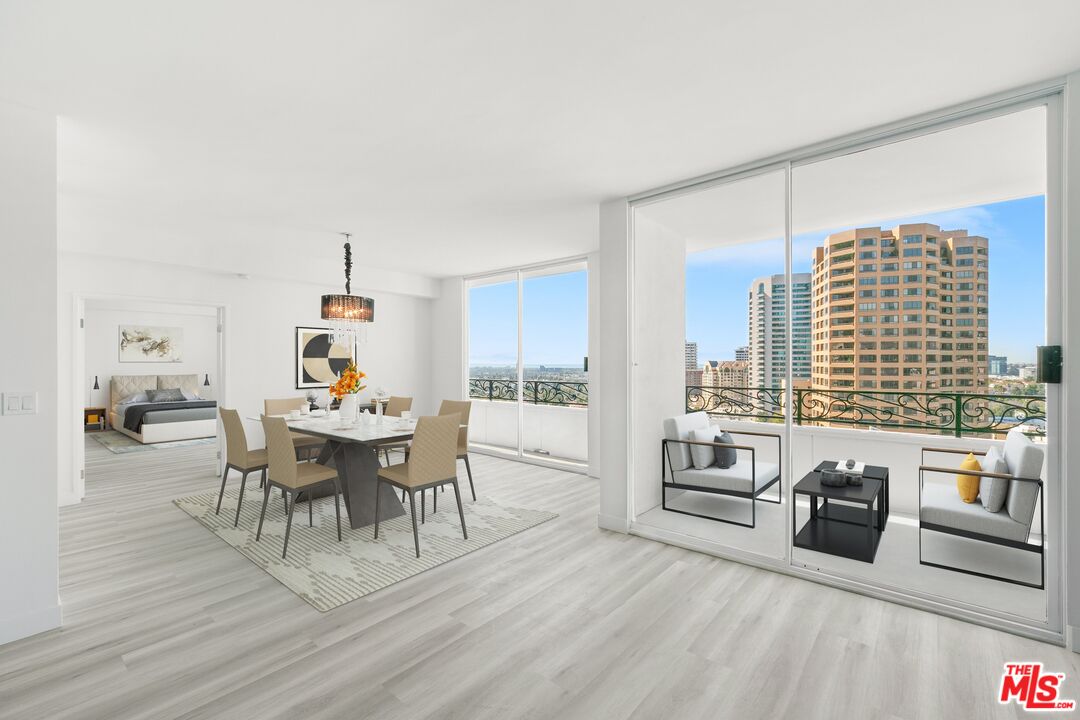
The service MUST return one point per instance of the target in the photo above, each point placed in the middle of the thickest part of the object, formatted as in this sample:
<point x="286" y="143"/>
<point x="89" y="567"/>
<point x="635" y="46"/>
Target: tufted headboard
<point x="120" y="386"/>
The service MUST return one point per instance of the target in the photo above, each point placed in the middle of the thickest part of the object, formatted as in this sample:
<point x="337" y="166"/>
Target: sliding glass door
<point x="528" y="341"/>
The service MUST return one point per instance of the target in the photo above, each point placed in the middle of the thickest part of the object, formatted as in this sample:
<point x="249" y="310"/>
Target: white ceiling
<point x="456" y="137"/>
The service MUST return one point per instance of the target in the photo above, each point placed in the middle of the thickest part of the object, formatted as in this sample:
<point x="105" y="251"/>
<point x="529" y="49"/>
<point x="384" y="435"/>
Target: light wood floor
<point x="163" y="620"/>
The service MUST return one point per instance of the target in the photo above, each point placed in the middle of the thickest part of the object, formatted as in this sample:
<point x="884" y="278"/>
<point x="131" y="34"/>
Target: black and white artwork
<point x="149" y="344"/>
<point x="318" y="361"/>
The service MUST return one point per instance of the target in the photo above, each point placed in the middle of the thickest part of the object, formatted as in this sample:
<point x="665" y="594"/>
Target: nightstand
<point x="94" y="418"/>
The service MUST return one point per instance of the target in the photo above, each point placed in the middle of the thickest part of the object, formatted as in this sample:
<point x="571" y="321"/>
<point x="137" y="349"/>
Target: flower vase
<point x="347" y="410"/>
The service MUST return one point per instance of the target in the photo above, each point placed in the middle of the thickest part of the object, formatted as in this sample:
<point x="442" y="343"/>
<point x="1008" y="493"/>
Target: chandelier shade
<point x="347" y="313"/>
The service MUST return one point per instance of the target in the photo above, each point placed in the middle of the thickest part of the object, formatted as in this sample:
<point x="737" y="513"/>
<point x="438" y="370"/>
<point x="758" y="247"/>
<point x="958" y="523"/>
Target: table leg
<point x="813" y="507"/>
<point x="870" y="531"/>
<point x="358" y="467"/>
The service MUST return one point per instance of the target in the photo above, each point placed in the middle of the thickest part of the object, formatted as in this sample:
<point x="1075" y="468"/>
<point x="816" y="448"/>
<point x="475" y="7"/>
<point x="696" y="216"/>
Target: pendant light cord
<point x="348" y="264"/>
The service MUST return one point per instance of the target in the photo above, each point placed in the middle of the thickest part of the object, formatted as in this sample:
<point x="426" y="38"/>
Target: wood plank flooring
<point x="163" y="620"/>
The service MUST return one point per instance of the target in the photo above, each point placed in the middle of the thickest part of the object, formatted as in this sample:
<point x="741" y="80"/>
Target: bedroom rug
<point x="327" y="573"/>
<point x="120" y="443"/>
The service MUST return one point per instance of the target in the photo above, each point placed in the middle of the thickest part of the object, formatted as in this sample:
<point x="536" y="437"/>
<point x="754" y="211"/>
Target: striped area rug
<point x="327" y="573"/>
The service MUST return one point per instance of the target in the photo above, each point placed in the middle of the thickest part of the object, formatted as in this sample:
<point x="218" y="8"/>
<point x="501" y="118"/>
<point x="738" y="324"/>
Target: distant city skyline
<point x="717" y="280"/>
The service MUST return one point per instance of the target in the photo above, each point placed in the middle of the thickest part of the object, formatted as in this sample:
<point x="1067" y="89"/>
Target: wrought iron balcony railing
<point x="947" y="413"/>
<point x="535" y="392"/>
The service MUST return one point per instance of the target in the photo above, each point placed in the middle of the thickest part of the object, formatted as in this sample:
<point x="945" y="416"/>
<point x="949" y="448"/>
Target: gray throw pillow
<point x="725" y="457"/>
<point x="170" y="395"/>
<point x="993" y="491"/>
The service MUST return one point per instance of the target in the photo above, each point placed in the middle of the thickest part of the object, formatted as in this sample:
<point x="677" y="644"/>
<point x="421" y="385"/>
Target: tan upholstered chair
<point x="292" y="477"/>
<point x="306" y="445"/>
<point x="394" y="407"/>
<point x="238" y="457"/>
<point x="432" y="463"/>
<point x="461" y="408"/>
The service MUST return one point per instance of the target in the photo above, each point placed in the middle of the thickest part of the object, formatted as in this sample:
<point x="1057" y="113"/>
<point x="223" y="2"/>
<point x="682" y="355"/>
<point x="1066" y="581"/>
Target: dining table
<point x="351" y="449"/>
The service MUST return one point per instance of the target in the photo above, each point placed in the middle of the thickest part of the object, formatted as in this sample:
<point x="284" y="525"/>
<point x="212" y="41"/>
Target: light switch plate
<point x="19" y="403"/>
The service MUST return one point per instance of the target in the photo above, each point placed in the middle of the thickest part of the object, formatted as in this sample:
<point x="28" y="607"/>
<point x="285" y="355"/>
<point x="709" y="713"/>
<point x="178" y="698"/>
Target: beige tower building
<point x="901" y="309"/>
<point x="725" y="373"/>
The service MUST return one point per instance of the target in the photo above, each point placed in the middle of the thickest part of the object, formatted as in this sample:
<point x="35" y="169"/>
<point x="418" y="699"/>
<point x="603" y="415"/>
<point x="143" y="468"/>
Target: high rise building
<point x="725" y="373"/>
<point x="691" y="355"/>
<point x="768" y="352"/>
<point x="901" y="309"/>
<point x="742" y="353"/>
<point x="997" y="364"/>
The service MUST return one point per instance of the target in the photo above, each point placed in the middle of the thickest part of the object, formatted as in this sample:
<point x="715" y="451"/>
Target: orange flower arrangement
<point x="349" y="382"/>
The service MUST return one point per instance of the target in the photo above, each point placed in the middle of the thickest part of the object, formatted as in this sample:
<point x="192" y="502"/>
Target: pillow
<point x="725" y="457"/>
<point x="702" y="455"/>
<point x="992" y="491"/>
<point x="170" y="395"/>
<point x="139" y="397"/>
<point x="188" y="395"/>
<point x="968" y="485"/>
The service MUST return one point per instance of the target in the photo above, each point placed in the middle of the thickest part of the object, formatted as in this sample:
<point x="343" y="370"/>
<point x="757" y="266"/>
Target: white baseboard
<point x="613" y="523"/>
<point x="31" y="623"/>
<point x="68" y="498"/>
<point x="1072" y="638"/>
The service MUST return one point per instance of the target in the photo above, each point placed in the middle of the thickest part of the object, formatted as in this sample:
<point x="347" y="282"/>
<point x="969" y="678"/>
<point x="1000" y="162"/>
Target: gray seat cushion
<point x="737" y="477"/>
<point x="941" y="505"/>
<point x="678" y="428"/>
<point x="992" y="491"/>
<point x="1025" y="459"/>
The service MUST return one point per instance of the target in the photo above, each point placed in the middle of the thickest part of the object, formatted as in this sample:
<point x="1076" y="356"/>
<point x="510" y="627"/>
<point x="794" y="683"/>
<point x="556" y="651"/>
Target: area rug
<point x="120" y="443"/>
<point x="327" y="573"/>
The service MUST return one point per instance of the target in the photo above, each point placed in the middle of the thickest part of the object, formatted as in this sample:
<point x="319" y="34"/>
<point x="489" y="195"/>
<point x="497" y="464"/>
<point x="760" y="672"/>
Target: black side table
<point x="870" y="471"/>
<point x="838" y="528"/>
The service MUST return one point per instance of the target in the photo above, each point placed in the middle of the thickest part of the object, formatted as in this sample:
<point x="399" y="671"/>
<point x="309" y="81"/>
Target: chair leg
<point x="266" y="500"/>
<point x="378" y="489"/>
<point x="468" y="469"/>
<point x="415" y="532"/>
<point x="240" y="500"/>
<point x="337" y="506"/>
<point x="221" y="494"/>
<point x="461" y="512"/>
<point x="386" y="454"/>
<point x="423" y="506"/>
<point x="262" y="480"/>
<point x="435" y="500"/>
<point x="310" y="509"/>
<point x="288" y="525"/>
<point x="402" y="496"/>
<point x="285" y="499"/>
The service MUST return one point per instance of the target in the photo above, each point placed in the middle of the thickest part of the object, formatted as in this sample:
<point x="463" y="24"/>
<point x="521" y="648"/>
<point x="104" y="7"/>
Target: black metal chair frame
<point x="752" y="496"/>
<point x="1040" y="495"/>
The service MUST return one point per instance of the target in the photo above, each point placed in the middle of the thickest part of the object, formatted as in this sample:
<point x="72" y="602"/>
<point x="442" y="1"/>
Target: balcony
<point x="554" y="418"/>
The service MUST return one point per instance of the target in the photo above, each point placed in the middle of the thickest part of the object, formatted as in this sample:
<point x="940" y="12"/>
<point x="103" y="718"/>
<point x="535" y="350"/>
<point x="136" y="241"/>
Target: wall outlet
<point x="18" y="403"/>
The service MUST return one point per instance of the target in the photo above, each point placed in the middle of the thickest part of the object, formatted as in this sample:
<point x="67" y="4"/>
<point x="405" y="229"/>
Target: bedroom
<point x="150" y="369"/>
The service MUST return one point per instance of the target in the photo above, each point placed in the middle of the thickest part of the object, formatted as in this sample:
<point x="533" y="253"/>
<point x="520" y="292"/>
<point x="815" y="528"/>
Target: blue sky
<point x="554" y="316"/>
<point x="717" y="280"/>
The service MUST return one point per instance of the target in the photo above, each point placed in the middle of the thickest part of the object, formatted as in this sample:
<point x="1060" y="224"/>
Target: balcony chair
<point x="747" y="480"/>
<point x="307" y="447"/>
<point x="941" y="509"/>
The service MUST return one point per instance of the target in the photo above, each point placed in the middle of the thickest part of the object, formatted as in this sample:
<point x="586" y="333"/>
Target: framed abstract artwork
<point x="318" y="362"/>
<point x="149" y="344"/>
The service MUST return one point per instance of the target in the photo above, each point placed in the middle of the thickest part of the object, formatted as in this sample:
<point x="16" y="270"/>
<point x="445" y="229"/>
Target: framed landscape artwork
<point x="149" y="344"/>
<point x="317" y="361"/>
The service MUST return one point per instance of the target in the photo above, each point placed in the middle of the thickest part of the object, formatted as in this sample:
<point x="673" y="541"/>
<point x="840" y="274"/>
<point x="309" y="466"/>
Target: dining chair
<point x="394" y="407"/>
<point x="293" y="477"/>
<point x="432" y="464"/>
<point x="306" y="446"/>
<point x="238" y="457"/>
<point x="462" y="409"/>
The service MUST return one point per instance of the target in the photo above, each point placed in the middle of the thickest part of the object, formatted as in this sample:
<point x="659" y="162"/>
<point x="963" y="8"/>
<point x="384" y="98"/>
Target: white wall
<point x="449" y="328"/>
<point x="561" y="432"/>
<point x="29" y="601"/>
<point x="261" y="317"/>
<point x="101" y="338"/>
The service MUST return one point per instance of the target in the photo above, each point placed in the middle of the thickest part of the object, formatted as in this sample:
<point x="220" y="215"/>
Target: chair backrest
<point x="462" y="409"/>
<point x="283" y="405"/>
<point x="1025" y="460"/>
<point x="236" y="449"/>
<point x="395" y="405"/>
<point x="679" y="428"/>
<point x="280" y="450"/>
<point x="434" y="449"/>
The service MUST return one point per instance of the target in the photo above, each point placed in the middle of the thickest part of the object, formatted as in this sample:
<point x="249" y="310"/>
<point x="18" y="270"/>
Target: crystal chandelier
<point x="347" y="314"/>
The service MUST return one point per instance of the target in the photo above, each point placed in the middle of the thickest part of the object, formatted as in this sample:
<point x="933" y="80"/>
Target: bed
<point x="163" y="421"/>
